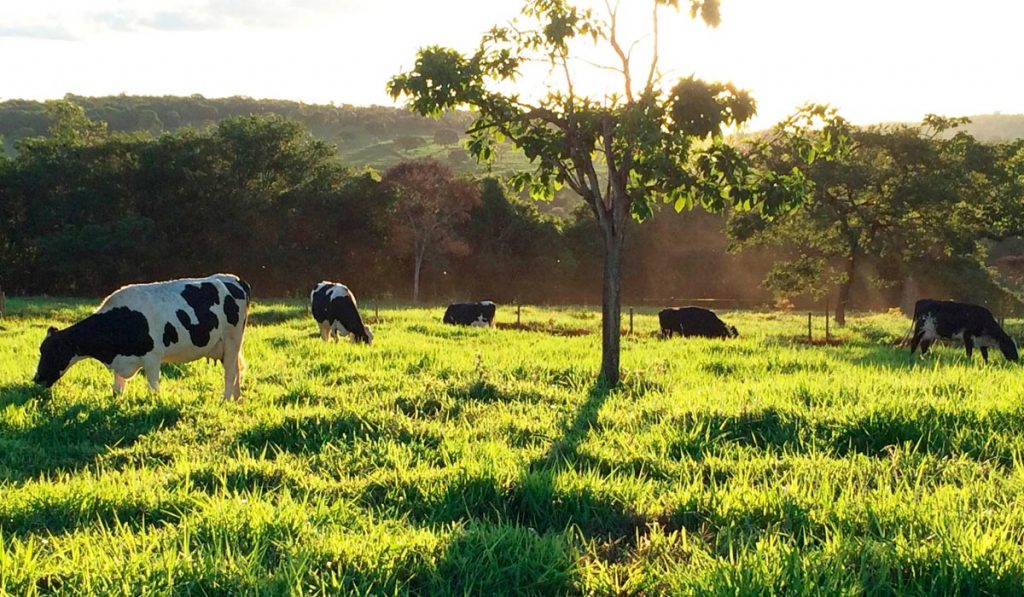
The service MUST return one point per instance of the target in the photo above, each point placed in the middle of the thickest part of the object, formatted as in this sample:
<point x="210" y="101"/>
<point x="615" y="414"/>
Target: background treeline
<point x="376" y="136"/>
<point x="89" y="205"/>
<point x="84" y="210"/>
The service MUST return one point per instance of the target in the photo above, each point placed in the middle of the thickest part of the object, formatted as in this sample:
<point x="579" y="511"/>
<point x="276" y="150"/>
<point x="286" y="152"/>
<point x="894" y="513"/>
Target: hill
<point x="376" y="136"/>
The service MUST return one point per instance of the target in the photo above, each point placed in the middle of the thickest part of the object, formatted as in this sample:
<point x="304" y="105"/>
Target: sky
<point x="875" y="60"/>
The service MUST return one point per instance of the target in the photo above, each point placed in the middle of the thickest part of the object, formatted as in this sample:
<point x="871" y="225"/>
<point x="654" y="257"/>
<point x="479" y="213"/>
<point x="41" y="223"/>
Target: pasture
<point x="475" y="461"/>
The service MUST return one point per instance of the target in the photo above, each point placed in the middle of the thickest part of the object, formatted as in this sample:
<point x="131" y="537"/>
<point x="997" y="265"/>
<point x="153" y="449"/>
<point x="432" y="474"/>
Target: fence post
<point x="376" y="313"/>
<point x="826" y="322"/>
<point x="519" y="314"/>
<point x="810" y="336"/>
<point x="631" y="321"/>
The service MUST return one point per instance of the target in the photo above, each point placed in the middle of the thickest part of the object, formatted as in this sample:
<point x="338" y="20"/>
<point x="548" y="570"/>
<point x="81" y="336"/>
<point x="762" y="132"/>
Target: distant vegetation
<point x="377" y="136"/>
<point x="85" y="208"/>
<point x="374" y="136"/>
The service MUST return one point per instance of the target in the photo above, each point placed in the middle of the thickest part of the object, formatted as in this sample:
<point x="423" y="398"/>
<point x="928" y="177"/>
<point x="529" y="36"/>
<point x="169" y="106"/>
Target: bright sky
<point x="876" y="60"/>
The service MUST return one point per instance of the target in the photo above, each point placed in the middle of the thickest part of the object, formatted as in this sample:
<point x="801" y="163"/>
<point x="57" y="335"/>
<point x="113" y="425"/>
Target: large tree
<point x="902" y="197"/>
<point x="620" y="152"/>
<point x="429" y="201"/>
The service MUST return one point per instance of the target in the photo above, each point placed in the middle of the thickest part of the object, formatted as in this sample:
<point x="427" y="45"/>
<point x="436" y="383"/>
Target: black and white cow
<point x="972" y="324"/>
<point x="334" y="308"/>
<point x="143" y="325"/>
<point x="479" y="314"/>
<point x="694" y="321"/>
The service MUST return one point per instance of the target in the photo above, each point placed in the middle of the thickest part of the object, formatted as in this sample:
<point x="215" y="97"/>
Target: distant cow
<point x="972" y="324"/>
<point x="694" y="321"/>
<point x="479" y="314"/>
<point x="334" y="308"/>
<point x="143" y="325"/>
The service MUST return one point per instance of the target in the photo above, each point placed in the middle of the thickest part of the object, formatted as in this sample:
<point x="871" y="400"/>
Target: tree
<point x="620" y="153"/>
<point x="429" y="202"/>
<point x="69" y="126"/>
<point x="897" y="195"/>
<point x="446" y="136"/>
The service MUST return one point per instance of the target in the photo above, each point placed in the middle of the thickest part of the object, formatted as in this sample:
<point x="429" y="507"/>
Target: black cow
<point x="973" y="324"/>
<point x="479" y="314"/>
<point x="143" y="325"/>
<point x="694" y="321"/>
<point x="334" y="308"/>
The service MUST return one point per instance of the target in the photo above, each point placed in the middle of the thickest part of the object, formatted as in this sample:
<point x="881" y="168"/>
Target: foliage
<point x="452" y="461"/>
<point x="901" y="198"/>
<point x="429" y="202"/>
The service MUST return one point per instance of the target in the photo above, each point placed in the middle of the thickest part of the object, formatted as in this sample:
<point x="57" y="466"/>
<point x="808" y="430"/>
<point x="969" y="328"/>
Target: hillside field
<point x="447" y="460"/>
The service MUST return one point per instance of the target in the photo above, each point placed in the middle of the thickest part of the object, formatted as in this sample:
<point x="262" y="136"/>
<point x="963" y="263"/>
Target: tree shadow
<point x="75" y="438"/>
<point x="545" y="328"/>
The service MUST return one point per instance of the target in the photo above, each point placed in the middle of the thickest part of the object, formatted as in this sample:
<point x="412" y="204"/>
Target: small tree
<point x="429" y="202"/>
<point x="620" y="153"/>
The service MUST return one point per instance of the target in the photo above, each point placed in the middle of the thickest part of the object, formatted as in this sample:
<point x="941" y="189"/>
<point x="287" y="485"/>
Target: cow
<point x="334" y="309"/>
<point x="142" y="325"/>
<point x="972" y="324"/>
<point x="479" y="314"/>
<point x="694" y="321"/>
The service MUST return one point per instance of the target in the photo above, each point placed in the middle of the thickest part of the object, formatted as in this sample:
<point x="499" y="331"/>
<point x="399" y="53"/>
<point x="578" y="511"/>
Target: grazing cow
<point x="972" y="324"/>
<point x="476" y="314"/>
<point x="334" y="308"/>
<point x="694" y="321"/>
<point x="142" y="325"/>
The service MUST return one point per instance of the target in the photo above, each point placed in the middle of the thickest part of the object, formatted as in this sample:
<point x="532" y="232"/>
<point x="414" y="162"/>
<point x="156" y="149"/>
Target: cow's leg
<point x="325" y="331"/>
<point x="924" y="346"/>
<point x="969" y="345"/>
<point x="238" y="378"/>
<point x="234" y="363"/>
<point x="984" y="353"/>
<point x="918" y="334"/>
<point x="119" y="383"/>
<point x="152" y="369"/>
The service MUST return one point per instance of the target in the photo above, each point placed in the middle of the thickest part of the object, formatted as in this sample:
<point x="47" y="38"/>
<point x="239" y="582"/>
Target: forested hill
<point x="375" y="136"/>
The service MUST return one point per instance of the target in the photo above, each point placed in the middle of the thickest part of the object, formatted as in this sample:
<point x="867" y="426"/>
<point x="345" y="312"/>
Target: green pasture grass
<point x="444" y="460"/>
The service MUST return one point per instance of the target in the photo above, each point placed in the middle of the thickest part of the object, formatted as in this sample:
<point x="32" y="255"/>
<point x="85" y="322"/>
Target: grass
<point x="447" y="460"/>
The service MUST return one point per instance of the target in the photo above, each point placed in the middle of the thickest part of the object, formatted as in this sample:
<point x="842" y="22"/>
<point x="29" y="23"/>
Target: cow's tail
<point x="904" y="340"/>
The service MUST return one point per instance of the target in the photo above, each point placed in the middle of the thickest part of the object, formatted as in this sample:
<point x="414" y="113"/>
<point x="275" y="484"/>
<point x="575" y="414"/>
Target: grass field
<point x="474" y="461"/>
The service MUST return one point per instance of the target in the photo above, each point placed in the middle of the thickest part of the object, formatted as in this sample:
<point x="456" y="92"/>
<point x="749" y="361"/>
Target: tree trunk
<point x="611" y="306"/>
<point x="844" y="291"/>
<point x="909" y="295"/>
<point x="416" y="278"/>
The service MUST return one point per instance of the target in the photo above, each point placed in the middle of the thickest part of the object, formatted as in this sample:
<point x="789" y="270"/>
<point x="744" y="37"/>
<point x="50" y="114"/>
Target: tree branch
<point x="614" y="41"/>
<point x="654" y="58"/>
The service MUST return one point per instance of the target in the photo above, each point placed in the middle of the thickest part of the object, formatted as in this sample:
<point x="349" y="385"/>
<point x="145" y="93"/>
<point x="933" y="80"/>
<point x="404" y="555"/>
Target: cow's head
<point x="734" y="332"/>
<point x="55" y="356"/>
<point x="366" y="336"/>
<point x="1009" y="347"/>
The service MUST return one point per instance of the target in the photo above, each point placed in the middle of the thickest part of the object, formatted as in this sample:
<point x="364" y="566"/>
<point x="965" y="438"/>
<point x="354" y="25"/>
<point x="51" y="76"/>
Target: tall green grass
<point x="447" y="460"/>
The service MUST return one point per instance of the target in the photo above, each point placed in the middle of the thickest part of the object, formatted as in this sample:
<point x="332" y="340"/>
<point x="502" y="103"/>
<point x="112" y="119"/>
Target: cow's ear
<point x="50" y="331"/>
